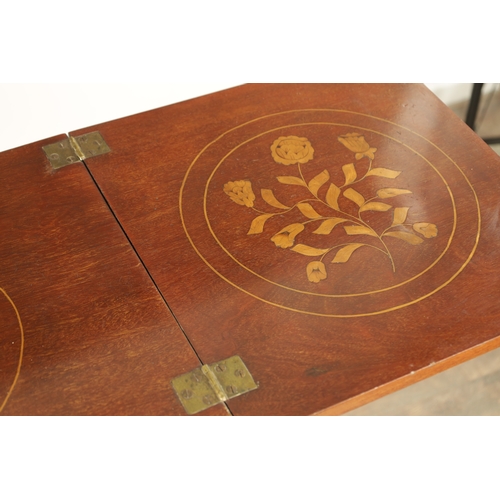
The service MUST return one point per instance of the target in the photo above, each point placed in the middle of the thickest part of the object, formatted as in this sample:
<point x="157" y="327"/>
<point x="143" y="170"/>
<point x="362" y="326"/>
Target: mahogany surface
<point x="83" y="329"/>
<point x="431" y="303"/>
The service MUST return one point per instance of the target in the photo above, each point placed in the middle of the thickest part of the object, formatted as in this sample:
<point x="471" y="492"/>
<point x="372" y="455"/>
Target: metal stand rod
<point x="491" y="140"/>
<point x="474" y="105"/>
<point x="470" y="120"/>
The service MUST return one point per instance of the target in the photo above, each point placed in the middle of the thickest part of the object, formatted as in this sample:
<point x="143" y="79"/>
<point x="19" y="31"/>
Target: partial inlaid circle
<point x="330" y="212"/>
<point x="12" y="346"/>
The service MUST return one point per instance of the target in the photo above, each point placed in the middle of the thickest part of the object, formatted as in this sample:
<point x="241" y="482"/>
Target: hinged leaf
<point x="408" y="237"/>
<point x="332" y="196"/>
<point x="391" y="192"/>
<point x="344" y="254"/>
<point x="268" y="196"/>
<point x="308" y="211"/>
<point x="291" y="180"/>
<point x="316" y="182"/>
<point x="327" y="226"/>
<point x="400" y="214"/>
<point x="384" y="172"/>
<point x="354" y="196"/>
<point x="349" y="173"/>
<point x="309" y="251"/>
<point x="376" y="206"/>
<point x="354" y="230"/>
<point x="257" y="225"/>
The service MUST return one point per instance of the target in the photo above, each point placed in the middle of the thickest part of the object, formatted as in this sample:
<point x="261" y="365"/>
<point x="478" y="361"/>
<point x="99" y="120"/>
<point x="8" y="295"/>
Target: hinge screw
<point x="239" y="373"/>
<point x="220" y="368"/>
<point x="186" y="394"/>
<point x="231" y="389"/>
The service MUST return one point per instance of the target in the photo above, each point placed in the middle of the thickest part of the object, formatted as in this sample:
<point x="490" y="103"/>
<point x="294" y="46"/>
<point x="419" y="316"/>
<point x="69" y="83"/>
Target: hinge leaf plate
<point x="195" y="391"/>
<point x="61" y="153"/>
<point x="233" y="376"/>
<point x="92" y="144"/>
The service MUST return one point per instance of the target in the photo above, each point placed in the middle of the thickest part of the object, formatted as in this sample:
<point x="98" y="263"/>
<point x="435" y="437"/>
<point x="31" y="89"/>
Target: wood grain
<point x="97" y="337"/>
<point x="332" y="351"/>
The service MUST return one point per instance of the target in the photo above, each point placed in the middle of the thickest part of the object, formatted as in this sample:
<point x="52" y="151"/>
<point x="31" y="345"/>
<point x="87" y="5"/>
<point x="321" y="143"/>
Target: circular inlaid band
<point x="207" y="219"/>
<point x="351" y="126"/>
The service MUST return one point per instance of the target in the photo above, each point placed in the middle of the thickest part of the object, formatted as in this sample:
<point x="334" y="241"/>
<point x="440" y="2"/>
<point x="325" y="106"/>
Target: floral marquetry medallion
<point x="330" y="212"/>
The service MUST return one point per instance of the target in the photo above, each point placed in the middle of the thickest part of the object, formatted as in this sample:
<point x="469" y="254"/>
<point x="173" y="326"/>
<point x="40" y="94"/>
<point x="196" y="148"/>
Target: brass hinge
<point x="74" y="149"/>
<point x="209" y="385"/>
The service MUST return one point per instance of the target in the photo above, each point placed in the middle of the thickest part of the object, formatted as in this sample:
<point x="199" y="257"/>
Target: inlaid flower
<point x="291" y="150"/>
<point x="357" y="144"/>
<point x="426" y="229"/>
<point x="286" y="237"/>
<point x="316" y="271"/>
<point x="240" y="192"/>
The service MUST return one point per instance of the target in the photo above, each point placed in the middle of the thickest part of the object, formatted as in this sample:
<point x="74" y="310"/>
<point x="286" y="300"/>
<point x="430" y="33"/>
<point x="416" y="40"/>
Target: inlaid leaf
<point x="391" y="192"/>
<point x="376" y="206"/>
<point x="408" y="237"/>
<point x="257" y="225"/>
<point x="327" y="226"/>
<point x="400" y="214"/>
<point x="354" y="196"/>
<point x="308" y="211"/>
<point x="344" y="254"/>
<point x="291" y="180"/>
<point x="268" y="196"/>
<point x="384" y="172"/>
<point x="310" y="251"/>
<point x="316" y="182"/>
<point x="332" y="196"/>
<point x="349" y="173"/>
<point x="426" y="229"/>
<point x="354" y="230"/>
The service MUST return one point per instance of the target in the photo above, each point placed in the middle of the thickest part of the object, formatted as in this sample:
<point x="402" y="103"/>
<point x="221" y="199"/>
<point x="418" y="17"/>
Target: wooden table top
<point x="341" y="239"/>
